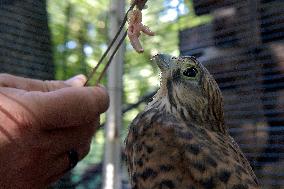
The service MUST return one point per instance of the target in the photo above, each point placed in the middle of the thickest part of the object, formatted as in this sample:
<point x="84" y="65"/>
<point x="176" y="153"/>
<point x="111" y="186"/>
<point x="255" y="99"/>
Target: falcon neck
<point x="189" y="115"/>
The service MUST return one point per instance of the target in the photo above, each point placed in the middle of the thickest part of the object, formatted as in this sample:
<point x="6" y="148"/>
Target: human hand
<point x="40" y="121"/>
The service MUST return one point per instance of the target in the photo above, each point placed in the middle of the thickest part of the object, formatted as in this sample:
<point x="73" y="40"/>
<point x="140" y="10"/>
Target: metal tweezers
<point x="140" y="6"/>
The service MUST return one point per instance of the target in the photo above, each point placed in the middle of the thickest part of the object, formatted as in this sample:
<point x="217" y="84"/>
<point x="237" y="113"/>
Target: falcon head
<point x="189" y="90"/>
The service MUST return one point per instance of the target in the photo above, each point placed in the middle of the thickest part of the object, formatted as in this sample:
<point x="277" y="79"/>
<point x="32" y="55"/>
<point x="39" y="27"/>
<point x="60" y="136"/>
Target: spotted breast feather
<point x="163" y="152"/>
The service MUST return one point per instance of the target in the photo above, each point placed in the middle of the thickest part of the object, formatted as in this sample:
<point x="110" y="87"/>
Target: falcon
<point x="180" y="140"/>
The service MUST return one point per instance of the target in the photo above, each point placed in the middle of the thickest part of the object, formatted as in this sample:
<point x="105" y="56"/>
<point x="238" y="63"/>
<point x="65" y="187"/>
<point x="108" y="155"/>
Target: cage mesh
<point x="25" y="47"/>
<point x="243" y="48"/>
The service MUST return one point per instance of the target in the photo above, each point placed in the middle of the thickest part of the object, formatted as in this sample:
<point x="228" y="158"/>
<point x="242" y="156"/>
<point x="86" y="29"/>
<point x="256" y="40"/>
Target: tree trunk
<point x="112" y="157"/>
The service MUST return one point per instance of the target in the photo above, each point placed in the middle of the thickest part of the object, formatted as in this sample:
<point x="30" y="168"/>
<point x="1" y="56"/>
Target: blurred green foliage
<point x="79" y="35"/>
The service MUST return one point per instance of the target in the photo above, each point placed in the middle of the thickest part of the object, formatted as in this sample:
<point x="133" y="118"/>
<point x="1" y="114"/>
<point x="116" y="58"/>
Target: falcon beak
<point x="163" y="61"/>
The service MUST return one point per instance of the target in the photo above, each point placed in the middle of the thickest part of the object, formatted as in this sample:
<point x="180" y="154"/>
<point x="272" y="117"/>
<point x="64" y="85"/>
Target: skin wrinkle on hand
<point x="18" y="118"/>
<point x="6" y="133"/>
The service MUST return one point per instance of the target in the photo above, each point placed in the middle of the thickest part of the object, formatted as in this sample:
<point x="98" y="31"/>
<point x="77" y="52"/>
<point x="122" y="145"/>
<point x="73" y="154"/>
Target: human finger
<point x="63" y="164"/>
<point x="65" y="107"/>
<point x="69" y="106"/>
<point x="11" y="81"/>
<point x="61" y="140"/>
<point x="55" y="167"/>
<point x="76" y="81"/>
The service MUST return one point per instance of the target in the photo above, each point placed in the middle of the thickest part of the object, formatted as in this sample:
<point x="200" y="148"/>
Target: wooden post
<point x="112" y="157"/>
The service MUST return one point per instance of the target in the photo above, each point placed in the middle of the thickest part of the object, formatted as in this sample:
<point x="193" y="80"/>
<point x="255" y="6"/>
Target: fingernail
<point x="77" y="81"/>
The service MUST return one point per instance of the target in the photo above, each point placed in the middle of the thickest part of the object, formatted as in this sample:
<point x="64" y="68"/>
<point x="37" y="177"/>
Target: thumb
<point x="69" y="106"/>
<point x="76" y="81"/>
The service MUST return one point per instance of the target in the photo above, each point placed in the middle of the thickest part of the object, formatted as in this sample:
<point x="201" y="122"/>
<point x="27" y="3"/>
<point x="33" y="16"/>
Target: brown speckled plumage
<point x="180" y="140"/>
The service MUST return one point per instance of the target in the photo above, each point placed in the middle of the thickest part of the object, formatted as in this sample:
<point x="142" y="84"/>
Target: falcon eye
<point x="190" y="72"/>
